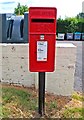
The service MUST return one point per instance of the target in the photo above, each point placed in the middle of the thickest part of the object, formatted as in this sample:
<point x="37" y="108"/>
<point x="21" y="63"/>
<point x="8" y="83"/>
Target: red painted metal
<point x="42" y="21"/>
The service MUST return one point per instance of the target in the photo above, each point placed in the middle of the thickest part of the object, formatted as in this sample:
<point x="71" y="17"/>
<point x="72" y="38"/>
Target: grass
<point x="78" y="97"/>
<point x="5" y="112"/>
<point x="78" y="112"/>
<point x="21" y="103"/>
<point x="72" y="112"/>
<point x="18" y="98"/>
<point x="0" y="111"/>
<point x="53" y="105"/>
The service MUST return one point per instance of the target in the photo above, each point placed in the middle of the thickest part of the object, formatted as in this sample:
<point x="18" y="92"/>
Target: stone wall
<point x="14" y="67"/>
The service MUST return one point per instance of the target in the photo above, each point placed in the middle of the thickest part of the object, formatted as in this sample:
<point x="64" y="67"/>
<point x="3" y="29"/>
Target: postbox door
<point x="41" y="65"/>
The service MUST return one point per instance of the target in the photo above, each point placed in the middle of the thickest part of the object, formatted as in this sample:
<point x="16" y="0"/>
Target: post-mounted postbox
<point x="42" y="38"/>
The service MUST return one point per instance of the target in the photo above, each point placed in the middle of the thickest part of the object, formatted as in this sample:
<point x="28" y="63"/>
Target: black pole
<point x="41" y="96"/>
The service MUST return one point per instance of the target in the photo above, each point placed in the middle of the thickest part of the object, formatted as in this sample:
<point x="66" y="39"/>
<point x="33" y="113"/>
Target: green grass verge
<point x="53" y="105"/>
<point x="20" y="98"/>
<point x="78" y="97"/>
<point x="27" y="102"/>
<point x="0" y="111"/>
<point x="72" y="112"/>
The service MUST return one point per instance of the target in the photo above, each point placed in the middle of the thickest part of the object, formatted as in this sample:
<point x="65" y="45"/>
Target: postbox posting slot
<point x="43" y="20"/>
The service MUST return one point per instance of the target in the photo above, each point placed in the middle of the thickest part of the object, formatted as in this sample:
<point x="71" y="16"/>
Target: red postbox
<point x="42" y="38"/>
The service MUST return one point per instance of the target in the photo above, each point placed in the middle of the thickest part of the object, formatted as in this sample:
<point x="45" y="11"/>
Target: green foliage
<point x="72" y="26"/>
<point x="1" y="111"/>
<point x="80" y="15"/>
<point x="22" y="103"/>
<point x="21" y="97"/>
<point x="75" y="24"/>
<point x="71" y="112"/>
<point x="5" y="112"/>
<point x="78" y="97"/>
<point x="20" y="9"/>
<point x="53" y="105"/>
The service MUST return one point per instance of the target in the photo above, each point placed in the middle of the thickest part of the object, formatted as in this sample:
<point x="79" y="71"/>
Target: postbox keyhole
<point x="41" y="37"/>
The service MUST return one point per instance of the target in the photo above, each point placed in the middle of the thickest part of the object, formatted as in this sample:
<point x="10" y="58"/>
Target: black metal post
<point x="41" y="96"/>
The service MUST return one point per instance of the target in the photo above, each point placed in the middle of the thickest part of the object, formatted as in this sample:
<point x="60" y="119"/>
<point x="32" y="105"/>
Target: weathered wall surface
<point x="15" y="65"/>
<point x="63" y="78"/>
<point x="15" y="68"/>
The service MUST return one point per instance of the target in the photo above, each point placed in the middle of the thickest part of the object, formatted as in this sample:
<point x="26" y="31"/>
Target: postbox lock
<point x="41" y="37"/>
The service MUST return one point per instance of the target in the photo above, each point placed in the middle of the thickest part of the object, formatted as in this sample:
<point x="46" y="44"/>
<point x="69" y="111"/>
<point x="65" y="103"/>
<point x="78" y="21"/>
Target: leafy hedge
<point x="70" y="25"/>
